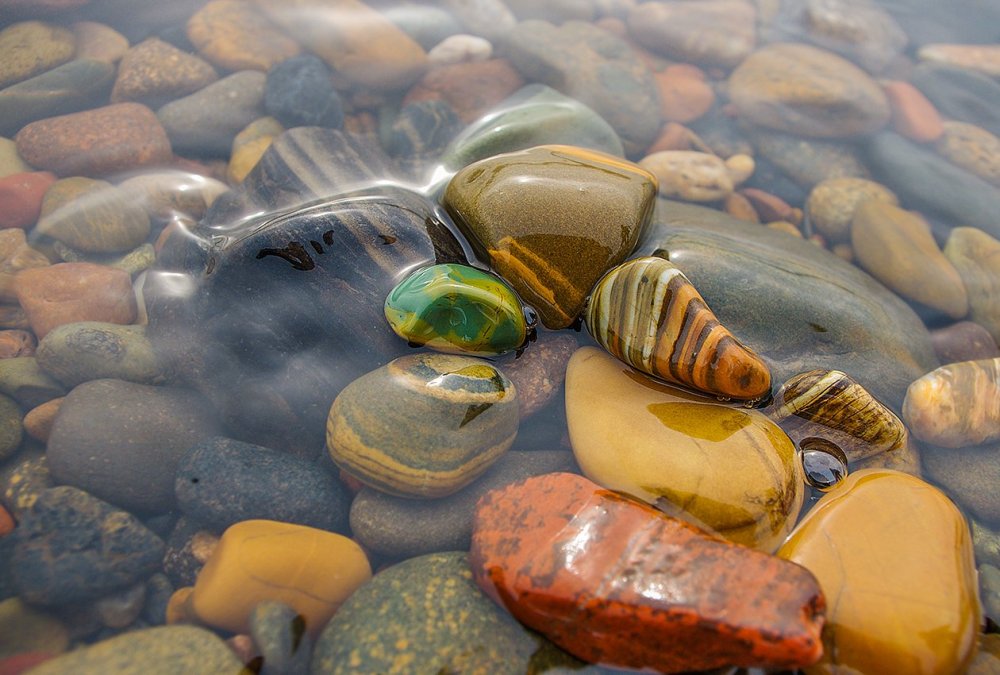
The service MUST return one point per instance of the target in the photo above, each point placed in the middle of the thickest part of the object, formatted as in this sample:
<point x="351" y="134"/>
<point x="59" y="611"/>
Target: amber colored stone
<point x="69" y="292"/>
<point x="672" y="136"/>
<point x="179" y="607"/>
<point x="313" y="571"/>
<point x="38" y="421"/>
<point x="471" y="89"/>
<point x="551" y="220"/>
<point x="14" y="343"/>
<point x="738" y="206"/>
<point x="616" y="582"/>
<point x="956" y="405"/>
<point x="21" y="197"/>
<point x="894" y="557"/>
<point x="235" y="36"/>
<point x="913" y="116"/>
<point x="6" y="522"/>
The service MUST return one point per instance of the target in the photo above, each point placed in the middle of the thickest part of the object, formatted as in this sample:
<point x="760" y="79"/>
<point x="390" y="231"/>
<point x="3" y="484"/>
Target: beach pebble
<point x="913" y="116"/>
<point x="234" y="35"/>
<point x="983" y="58"/>
<point x="299" y="93"/>
<point x="963" y="341"/>
<point x="689" y="175"/>
<point x="955" y="405"/>
<point x="461" y="48"/>
<point x="279" y="634"/>
<point x="154" y="72"/>
<point x="92" y="216"/>
<point x="189" y="546"/>
<point x="39" y="420"/>
<point x="21" y="197"/>
<point x="685" y="95"/>
<point x="967" y="475"/>
<point x="972" y="148"/>
<point x="89" y="350"/>
<point x="832" y="203"/>
<point x="23" y="380"/>
<point x="960" y="94"/>
<point x="32" y="47"/>
<point x="24" y="628"/>
<point x="976" y="256"/>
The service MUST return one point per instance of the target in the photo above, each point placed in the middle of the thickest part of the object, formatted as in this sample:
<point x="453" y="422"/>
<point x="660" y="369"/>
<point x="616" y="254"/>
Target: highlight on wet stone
<point x="823" y="463"/>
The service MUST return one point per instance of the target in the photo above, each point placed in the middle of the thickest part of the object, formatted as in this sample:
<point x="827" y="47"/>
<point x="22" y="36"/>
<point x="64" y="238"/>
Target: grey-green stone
<point x="279" y="633"/>
<point x="22" y="379"/>
<point x="11" y="427"/>
<point x="70" y="87"/>
<point x="91" y="350"/>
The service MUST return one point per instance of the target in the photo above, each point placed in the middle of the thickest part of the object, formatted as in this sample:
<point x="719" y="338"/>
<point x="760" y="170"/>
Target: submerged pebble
<point x="956" y="405"/>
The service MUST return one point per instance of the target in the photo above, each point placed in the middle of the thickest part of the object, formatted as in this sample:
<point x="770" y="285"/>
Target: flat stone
<point x="205" y="122"/>
<point x="154" y="72"/>
<point x="131" y="457"/>
<point x="471" y="89"/>
<point x="713" y="33"/>
<point x="972" y="148"/>
<point x="579" y="213"/>
<point x="913" y="116"/>
<point x="831" y="315"/>
<point x="403" y="528"/>
<point x="385" y="623"/>
<point x="92" y="216"/>
<point x="808" y="161"/>
<point x="807" y="91"/>
<point x="299" y="93"/>
<point x="105" y="140"/>
<point x="633" y="434"/>
<point x="77" y="85"/>
<point x="221" y="482"/>
<point x="89" y="350"/>
<point x="72" y="547"/>
<point x="32" y="47"/>
<point x="955" y="405"/>
<point x="593" y="66"/>
<point x="234" y="35"/>
<point x="21" y="198"/>
<point x="580" y="546"/>
<point x="889" y="603"/>
<point x="832" y="203"/>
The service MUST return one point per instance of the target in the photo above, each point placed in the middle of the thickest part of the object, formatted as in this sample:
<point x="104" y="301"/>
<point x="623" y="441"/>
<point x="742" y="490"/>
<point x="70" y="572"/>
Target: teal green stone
<point x="457" y="309"/>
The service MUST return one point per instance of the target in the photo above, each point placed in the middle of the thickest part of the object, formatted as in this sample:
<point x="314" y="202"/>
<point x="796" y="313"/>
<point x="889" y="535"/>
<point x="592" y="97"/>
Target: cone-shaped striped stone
<point x="646" y="313"/>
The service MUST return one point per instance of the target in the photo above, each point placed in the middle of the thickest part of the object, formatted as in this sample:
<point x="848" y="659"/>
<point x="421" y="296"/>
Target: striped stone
<point x="646" y="313"/>
<point x="956" y="405"/>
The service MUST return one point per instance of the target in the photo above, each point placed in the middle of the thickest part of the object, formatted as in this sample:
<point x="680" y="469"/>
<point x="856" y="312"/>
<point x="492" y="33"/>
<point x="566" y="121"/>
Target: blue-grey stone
<point x="299" y="93"/>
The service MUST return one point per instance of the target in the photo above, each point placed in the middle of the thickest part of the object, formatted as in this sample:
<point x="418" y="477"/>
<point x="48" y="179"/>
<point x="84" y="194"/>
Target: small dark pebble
<point x="299" y="93"/>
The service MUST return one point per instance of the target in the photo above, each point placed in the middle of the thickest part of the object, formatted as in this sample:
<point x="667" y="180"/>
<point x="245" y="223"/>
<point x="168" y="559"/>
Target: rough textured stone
<point x="233" y="35"/>
<point x="154" y="72"/>
<point x="808" y="161"/>
<point x="832" y="203"/>
<point x="89" y="350"/>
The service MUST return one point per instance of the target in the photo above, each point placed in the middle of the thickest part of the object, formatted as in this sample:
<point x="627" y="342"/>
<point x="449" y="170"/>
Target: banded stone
<point x="832" y="405"/>
<point x="646" y="313"/>
<point x="956" y="405"/>
<point x="456" y="308"/>
<point x="424" y="425"/>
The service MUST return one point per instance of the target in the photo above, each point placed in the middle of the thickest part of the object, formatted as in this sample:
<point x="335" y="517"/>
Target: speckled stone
<point x="860" y="30"/>
<point x="22" y="480"/>
<point x="832" y="203"/>
<point x="32" y="47"/>
<point x="189" y="546"/>
<point x="976" y="256"/>
<point x="71" y="547"/>
<point x="221" y="481"/>
<point x="235" y="36"/>
<point x="713" y="33"/>
<point x="299" y="93"/>
<point x="154" y="72"/>
<point x="972" y="148"/>
<point x="90" y="350"/>
<point x="76" y="85"/>
<point x="695" y="176"/>
<point x="163" y="650"/>
<point x="16" y="255"/>
<point x="92" y="216"/>
<point x="385" y="626"/>
<point x="540" y="371"/>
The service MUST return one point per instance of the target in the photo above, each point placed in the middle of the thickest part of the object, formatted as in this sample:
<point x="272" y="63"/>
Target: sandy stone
<point x="832" y="203"/>
<point x="471" y="89"/>
<point x="913" y="115"/>
<point x="806" y="161"/>
<point x="972" y="148"/>
<point x="460" y="49"/>
<point x="32" y="47"/>
<point x="39" y="420"/>
<point x="99" y="42"/>
<point x="233" y="35"/>
<point x="691" y="176"/>
<point x="710" y="32"/>
<point x="154" y="72"/>
<point x="976" y="256"/>
<point x="168" y="195"/>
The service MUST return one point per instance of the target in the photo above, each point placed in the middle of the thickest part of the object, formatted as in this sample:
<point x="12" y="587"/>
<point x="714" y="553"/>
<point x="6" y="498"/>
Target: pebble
<point x="32" y="47"/>
<point x="892" y="608"/>
<point x="896" y="247"/>
<point x="92" y="216"/>
<point x="299" y="92"/>
<point x="154" y="72"/>
<point x="99" y="42"/>
<point x="69" y="292"/>
<point x="807" y="91"/>
<point x="678" y="450"/>
<point x="381" y="57"/>
<point x="956" y="405"/>
<point x="861" y="30"/>
<point x="685" y="95"/>
<point x="771" y="207"/>
<point x="534" y="115"/>
<point x="24" y="628"/>
<point x="968" y="476"/>
<point x="913" y="116"/>
<point x="279" y="634"/>
<point x="76" y="85"/>
<point x="559" y="192"/>
<point x="963" y="341"/>
<point x="824" y="464"/>
<point x="149" y="651"/>
<point x="458" y="414"/>
<point x="971" y="148"/>
<point x="983" y="58"/>
<point x="102" y="458"/>
<point x="26" y="383"/>
<point x="584" y="558"/>
<point x="691" y="176"/>
<point x="168" y="195"/>
<point x="311" y="570"/>
<point x="204" y="123"/>
<point x="470" y="88"/>
<point x="538" y="373"/>
<point x="11" y="427"/>
<point x="385" y="626"/>
<point x="16" y="255"/>
<point x="420" y="133"/>
<point x="158" y="592"/>
<point x="10" y="161"/>
<point x="39" y="420"/>
<point x="72" y="547"/>
<point x="593" y="66"/>
<point x="832" y="202"/>
<point x="457" y="309"/>
<point x="121" y="608"/>
<point x="428" y="25"/>
<point x="710" y="33"/>
<point x="643" y="311"/>
<point x="398" y="528"/>
<point x="90" y="350"/>
<point x="960" y="94"/>
<point x="14" y="343"/>
<point x="976" y="256"/>
<point x="807" y="161"/>
<point x="114" y="138"/>
<point x="189" y="547"/>
<point x="12" y="316"/>
<point x="7" y="524"/>
<point x="220" y="482"/>
<point x="249" y="145"/>
<point x="460" y="48"/>
<point x="21" y="198"/>
<point x="490" y="19"/>
<point x="234" y="35"/>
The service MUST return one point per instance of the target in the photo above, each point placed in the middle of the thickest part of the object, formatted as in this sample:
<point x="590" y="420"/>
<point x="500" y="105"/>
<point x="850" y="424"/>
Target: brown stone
<point x="963" y="341"/>
<point x="30" y="48"/>
<point x="233" y="35"/>
<point x="738" y="206"/>
<point x="913" y="116"/>
<point x="684" y="94"/>
<point x="39" y="420"/>
<point x="154" y="72"/>
<point x="672" y="136"/>
<point x="99" y="42"/>
<point x="972" y="148"/>
<point x="832" y="203"/>
<point x="114" y="138"/>
<point x="70" y="292"/>
<point x="21" y="197"/>
<point x="539" y="371"/>
<point x="709" y="32"/>
<point x="954" y="406"/>
<point x="471" y="89"/>
<point x="14" y="343"/>
<point x="92" y="216"/>
<point x="976" y="256"/>
<point x="16" y="255"/>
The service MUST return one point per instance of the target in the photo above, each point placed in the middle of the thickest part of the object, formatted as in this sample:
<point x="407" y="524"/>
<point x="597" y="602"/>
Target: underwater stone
<point x="956" y="405"/>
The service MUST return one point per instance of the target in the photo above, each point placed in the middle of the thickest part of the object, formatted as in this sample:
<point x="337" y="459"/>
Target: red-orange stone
<point x="913" y="116"/>
<point x="615" y="581"/>
<point x="21" y="197"/>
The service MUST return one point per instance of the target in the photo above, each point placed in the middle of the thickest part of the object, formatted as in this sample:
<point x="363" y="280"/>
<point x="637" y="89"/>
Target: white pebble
<point x="460" y="49"/>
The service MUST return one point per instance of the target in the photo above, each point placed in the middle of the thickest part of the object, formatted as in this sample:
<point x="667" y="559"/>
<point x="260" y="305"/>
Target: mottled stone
<point x="299" y="93"/>
<point x="583" y="559"/>
<point x="956" y="405"/>
<point x="10" y="161"/>
<point x="579" y="213"/>
<point x="892" y="607"/>
<point x="131" y="457"/>
<point x="149" y="651"/>
<point x="72" y="547"/>
<point x="808" y="161"/>
<point x="32" y="47"/>
<point x="79" y="352"/>
<point x="105" y="140"/>
<point x="458" y="416"/>
<point x="154" y="72"/>
<point x="471" y="89"/>
<point x="976" y="256"/>
<point x="913" y="116"/>
<point x="189" y="546"/>
<point x="711" y="33"/>
<point x="693" y="176"/>
<point x="249" y="145"/>
<point x="21" y="196"/>
<point x="807" y="91"/>
<point x="311" y="570"/>
<point x="832" y="203"/>
<point x="896" y="247"/>
<point x="77" y="85"/>
<point x="221" y="482"/>
<point x="233" y="35"/>
<point x="205" y="122"/>
<point x="93" y="216"/>
<point x="593" y="66"/>
<point x="385" y="626"/>
<point x="972" y="148"/>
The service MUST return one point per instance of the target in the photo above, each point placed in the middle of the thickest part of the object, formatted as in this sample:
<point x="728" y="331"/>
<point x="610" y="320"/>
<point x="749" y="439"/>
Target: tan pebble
<point x="14" y="343"/>
<point x="99" y="42"/>
<point x="770" y="207"/>
<point x="31" y="48"/>
<point x="203" y="544"/>
<point x="246" y="157"/>
<point x="956" y="405"/>
<point x="740" y="168"/>
<point x="694" y="176"/>
<point x="981" y="58"/>
<point x="233" y="35"/>
<point x="972" y="148"/>
<point x="913" y="116"/>
<point x="38" y="422"/>
<point x="16" y="255"/>
<point x="11" y="162"/>
<point x="155" y="72"/>
<point x="832" y="203"/>
<point x="785" y="226"/>
<point x="709" y="32"/>
<point x="166" y="195"/>
<point x="738" y="206"/>
<point x="460" y="48"/>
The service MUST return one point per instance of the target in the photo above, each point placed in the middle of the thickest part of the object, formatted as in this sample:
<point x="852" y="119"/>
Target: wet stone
<point x="427" y="24"/>
<point x="960" y="94"/>
<point x="696" y="176"/>
<point x="121" y="608"/>
<point x="77" y="85"/>
<point x="39" y="420"/>
<point x="955" y="405"/>
<point x="861" y="30"/>
<point x="166" y="195"/>
<point x="221" y="481"/>
<point x="93" y="216"/>
<point x="11" y="427"/>
<point x="90" y="350"/>
<point x="538" y="372"/>
<point x="14" y="343"/>
<point x="249" y="145"/>
<point x="32" y="47"/>
<point x="808" y="161"/>
<point x="823" y="463"/>
<point x="471" y="89"/>
<point x="976" y="256"/>
<point x="72" y="547"/>
<point x="983" y="58"/>
<point x="22" y="379"/>
<point x="16" y="255"/>
<point x="99" y="41"/>
<point x="459" y="48"/>
<point x="21" y="196"/>
<point x="713" y="33"/>
<point x="420" y="133"/>
<point x="24" y="628"/>
<point x="832" y="203"/>
<point x="235" y="36"/>
<point x="154" y="72"/>
<point x="913" y="116"/>
<point x="279" y="634"/>
<point x="968" y="475"/>
<point x="189" y="546"/>
<point x="963" y="341"/>
<point x="299" y="93"/>
<point x="972" y="148"/>
<point x="10" y="161"/>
